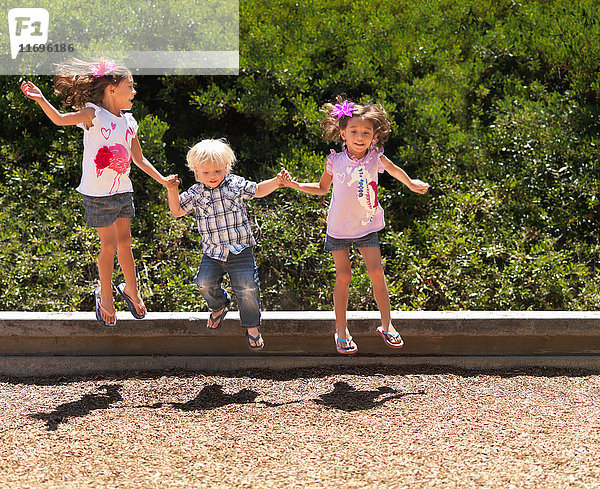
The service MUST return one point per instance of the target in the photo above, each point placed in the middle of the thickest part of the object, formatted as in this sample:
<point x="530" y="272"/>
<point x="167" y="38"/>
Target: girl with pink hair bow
<point x="100" y="92"/>
<point x="355" y="216"/>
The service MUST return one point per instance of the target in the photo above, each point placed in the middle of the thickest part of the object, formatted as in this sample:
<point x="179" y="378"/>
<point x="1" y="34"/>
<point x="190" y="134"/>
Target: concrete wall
<point x="62" y="343"/>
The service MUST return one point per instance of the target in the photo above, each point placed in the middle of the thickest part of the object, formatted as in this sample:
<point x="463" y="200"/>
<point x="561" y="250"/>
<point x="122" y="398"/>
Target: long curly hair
<point x="76" y="84"/>
<point x="375" y="113"/>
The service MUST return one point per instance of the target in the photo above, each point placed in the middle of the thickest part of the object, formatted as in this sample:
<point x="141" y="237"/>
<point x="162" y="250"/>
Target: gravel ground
<point x="325" y="428"/>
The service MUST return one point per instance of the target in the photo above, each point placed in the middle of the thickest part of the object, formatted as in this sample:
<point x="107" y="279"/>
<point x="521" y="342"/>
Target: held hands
<point x="172" y="182"/>
<point x="31" y="91"/>
<point x="281" y="178"/>
<point x="284" y="179"/>
<point x="418" y="186"/>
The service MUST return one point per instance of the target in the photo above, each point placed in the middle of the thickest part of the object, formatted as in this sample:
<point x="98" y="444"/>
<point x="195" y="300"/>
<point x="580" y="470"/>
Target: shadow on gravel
<point x="306" y="372"/>
<point x="211" y="397"/>
<point x="343" y="397"/>
<point x="80" y="408"/>
<point x="346" y="398"/>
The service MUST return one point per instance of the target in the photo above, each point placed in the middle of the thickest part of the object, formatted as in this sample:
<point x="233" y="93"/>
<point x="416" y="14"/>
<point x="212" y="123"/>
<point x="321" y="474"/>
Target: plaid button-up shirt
<point x="221" y="215"/>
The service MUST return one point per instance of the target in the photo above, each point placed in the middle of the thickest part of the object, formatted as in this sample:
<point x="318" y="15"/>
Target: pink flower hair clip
<point x="102" y="68"/>
<point x="345" y="108"/>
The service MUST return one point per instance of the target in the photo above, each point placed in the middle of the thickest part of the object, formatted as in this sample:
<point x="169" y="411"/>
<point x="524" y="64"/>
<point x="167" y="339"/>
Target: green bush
<point x="493" y="103"/>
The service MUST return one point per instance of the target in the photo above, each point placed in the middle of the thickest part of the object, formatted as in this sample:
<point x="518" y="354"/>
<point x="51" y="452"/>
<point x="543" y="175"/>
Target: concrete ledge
<point x="48" y="342"/>
<point x="47" y="366"/>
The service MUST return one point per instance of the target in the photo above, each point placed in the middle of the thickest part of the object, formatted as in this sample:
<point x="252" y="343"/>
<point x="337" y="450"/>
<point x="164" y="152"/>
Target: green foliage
<point x="137" y="25"/>
<point x="494" y="103"/>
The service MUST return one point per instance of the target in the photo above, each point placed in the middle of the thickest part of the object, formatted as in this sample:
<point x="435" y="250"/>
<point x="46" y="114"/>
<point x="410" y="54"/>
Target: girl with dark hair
<point x="100" y="92"/>
<point x="355" y="216"/>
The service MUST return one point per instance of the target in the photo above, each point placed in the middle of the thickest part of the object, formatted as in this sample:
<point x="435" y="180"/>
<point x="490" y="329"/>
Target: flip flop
<point x="216" y="320"/>
<point x="386" y="335"/>
<point x="256" y="340"/>
<point x="129" y="302"/>
<point x="99" y="306"/>
<point x="347" y="350"/>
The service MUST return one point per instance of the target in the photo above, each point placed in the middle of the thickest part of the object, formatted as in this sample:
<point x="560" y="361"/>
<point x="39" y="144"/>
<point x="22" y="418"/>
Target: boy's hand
<point x="285" y="179"/>
<point x="281" y="179"/>
<point x="172" y="181"/>
<point x="31" y="91"/>
<point x="418" y="186"/>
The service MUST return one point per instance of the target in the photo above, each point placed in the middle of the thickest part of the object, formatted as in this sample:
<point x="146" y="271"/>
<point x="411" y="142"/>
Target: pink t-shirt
<point x="354" y="210"/>
<point x="107" y="153"/>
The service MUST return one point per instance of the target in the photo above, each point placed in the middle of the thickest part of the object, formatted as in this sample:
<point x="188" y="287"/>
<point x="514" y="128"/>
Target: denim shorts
<point x="103" y="211"/>
<point x="368" y="241"/>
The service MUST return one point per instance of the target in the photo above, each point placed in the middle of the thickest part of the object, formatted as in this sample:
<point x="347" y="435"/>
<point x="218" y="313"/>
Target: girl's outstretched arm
<point x="144" y="164"/>
<point x="69" y="119"/>
<point x="317" y="188"/>
<point x="399" y="174"/>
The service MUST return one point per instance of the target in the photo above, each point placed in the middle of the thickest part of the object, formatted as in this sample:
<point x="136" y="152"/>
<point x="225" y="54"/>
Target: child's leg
<point x="125" y="257"/>
<point x="343" y="275"/>
<point x="246" y="286"/>
<point x="209" y="279"/>
<point x="106" y="264"/>
<point x="372" y="257"/>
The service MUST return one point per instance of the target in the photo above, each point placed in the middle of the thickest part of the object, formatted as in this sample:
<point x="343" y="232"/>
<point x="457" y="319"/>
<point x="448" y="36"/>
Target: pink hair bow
<point x="345" y="108"/>
<point x="102" y="68"/>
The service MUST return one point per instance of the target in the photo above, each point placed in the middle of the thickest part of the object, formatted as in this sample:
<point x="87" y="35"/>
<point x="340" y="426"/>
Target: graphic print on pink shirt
<point x="368" y="198"/>
<point x="115" y="158"/>
<point x="367" y="190"/>
<point x="375" y="193"/>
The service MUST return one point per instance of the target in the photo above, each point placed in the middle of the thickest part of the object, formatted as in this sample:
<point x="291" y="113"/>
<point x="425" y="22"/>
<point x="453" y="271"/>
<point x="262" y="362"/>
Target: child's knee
<point x="124" y="241"/>
<point x="203" y="284"/>
<point x="108" y="246"/>
<point x="247" y="289"/>
<point x="248" y="286"/>
<point x="248" y="299"/>
<point x="377" y="274"/>
<point x="343" y="276"/>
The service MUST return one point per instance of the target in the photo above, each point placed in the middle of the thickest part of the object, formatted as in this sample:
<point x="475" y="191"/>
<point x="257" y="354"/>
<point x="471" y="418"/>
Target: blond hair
<point x="211" y="151"/>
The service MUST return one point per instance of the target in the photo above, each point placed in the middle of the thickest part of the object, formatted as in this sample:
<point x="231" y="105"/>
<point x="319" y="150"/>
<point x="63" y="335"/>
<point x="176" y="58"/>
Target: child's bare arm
<point x="317" y="188"/>
<point x="69" y="119"/>
<point x="144" y="164"/>
<point x="265" y="187"/>
<point x="399" y="174"/>
<point x="173" y="195"/>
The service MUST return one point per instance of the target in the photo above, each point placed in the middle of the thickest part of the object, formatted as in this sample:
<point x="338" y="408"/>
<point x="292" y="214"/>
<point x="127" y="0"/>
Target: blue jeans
<point x="243" y="275"/>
